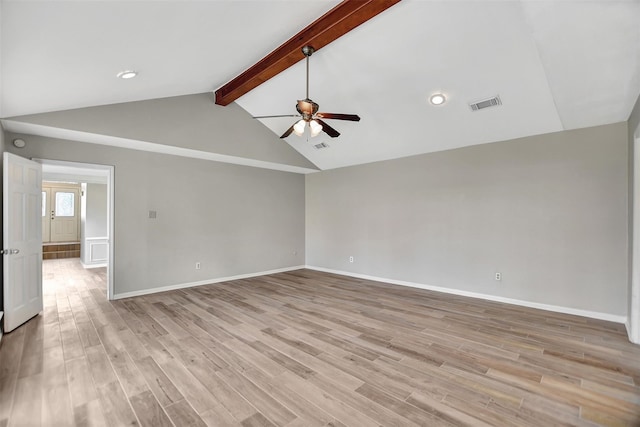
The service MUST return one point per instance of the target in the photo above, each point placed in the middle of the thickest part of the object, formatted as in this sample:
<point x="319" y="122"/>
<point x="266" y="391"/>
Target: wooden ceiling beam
<point x="335" y="23"/>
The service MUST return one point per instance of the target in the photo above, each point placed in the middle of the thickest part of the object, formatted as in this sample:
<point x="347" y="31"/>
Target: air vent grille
<point x="321" y="146"/>
<point x="486" y="103"/>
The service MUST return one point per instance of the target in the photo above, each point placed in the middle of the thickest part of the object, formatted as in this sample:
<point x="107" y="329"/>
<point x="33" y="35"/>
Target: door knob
<point x="9" y="251"/>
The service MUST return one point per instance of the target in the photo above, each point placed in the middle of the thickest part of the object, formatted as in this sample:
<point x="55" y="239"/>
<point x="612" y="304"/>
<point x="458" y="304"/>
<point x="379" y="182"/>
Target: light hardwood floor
<point x="308" y="349"/>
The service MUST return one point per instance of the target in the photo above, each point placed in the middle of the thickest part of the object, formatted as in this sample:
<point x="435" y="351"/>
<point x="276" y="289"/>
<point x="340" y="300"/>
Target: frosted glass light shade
<point x="316" y="128"/>
<point x="298" y="128"/>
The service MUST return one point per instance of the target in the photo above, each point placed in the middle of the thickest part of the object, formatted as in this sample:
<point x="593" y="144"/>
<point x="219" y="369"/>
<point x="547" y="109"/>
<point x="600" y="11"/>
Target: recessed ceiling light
<point x="128" y="74"/>
<point x="437" y="99"/>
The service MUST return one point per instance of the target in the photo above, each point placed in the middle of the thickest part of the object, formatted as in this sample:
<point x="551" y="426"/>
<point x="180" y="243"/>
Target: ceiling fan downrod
<point x="308" y="51"/>
<point x="306" y="107"/>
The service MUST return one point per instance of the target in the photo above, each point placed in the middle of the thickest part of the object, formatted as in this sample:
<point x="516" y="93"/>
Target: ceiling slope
<point x="591" y="54"/>
<point x="193" y="124"/>
<point x="550" y="62"/>
<point x="334" y="24"/>
<point x="469" y="51"/>
<point x="60" y="55"/>
<point x="555" y="64"/>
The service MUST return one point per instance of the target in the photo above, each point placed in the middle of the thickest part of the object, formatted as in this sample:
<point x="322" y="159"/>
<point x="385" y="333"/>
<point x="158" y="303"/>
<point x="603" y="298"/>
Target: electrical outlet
<point x="197" y="266"/>
<point x="351" y="258"/>
<point x="498" y="276"/>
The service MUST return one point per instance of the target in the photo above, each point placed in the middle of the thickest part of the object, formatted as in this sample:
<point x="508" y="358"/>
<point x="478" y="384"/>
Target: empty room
<point x="320" y="213"/>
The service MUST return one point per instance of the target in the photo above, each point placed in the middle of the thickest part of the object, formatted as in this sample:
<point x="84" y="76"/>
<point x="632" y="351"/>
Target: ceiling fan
<point x="308" y="111"/>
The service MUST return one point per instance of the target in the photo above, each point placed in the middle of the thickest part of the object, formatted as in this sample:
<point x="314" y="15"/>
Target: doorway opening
<point x="77" y="214"/>
<point x="61" y="219"/>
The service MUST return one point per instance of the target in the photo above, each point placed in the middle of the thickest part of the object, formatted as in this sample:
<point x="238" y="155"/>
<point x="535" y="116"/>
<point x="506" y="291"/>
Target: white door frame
<point x="109" y="173"/>
<point x="633" y="322"/>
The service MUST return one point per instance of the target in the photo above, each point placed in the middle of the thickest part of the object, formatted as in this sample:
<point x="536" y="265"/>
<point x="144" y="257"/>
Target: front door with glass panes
<point x="60" y="212"/>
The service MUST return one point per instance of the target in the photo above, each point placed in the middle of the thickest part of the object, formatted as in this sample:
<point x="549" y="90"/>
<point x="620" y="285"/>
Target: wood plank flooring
<point x="308" y="349"/>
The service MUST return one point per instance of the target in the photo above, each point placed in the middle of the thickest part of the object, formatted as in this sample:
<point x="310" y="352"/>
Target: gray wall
<point x="189" y="121"/>
<point x="232" y="219"/>
<point x="549" y="212"/>
<point x="95" y="221"/>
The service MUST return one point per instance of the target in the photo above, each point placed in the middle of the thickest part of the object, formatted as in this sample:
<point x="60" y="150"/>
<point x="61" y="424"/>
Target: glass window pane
<point x="44" y="203"/>
<point x="65" y="204"/>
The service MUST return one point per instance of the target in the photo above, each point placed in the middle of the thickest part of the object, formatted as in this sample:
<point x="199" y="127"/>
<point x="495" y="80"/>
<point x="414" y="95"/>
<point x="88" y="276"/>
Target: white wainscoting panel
<point x="96" y="251"/>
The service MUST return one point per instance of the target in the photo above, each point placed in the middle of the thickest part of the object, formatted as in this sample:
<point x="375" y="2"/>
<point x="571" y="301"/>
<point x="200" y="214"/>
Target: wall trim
<point x="555" y="308"/>
<point x="92" y="248"/>
<point x="88" y="266"/>
<point x="203" y="282"/>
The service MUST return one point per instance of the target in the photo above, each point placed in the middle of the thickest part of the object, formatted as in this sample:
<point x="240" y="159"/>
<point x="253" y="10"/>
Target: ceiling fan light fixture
<point x="298" y="128"/>
<point x="308" y="110"/>
<point x="437" y="99"/>
<point x="316" y="128"/>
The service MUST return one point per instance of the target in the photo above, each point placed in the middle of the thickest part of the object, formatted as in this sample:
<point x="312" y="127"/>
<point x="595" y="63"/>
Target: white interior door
<point x="22" y="240"/>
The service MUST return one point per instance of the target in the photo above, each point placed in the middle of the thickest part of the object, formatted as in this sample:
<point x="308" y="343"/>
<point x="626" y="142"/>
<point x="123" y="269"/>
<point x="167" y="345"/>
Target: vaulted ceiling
<point x="556" y="65"/>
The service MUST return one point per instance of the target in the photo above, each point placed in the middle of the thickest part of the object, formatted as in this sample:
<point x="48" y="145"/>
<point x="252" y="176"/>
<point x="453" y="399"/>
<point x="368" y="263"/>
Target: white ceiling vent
<point x="321" y="146"/>
<point x="486" y="103"/>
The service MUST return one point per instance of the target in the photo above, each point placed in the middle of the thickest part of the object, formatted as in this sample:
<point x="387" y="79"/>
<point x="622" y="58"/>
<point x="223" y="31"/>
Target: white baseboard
<point x="558" y="309"/>
<point x="202" y="282"/>
<point x="98" y="265"/>
<point x="555" y="308"/>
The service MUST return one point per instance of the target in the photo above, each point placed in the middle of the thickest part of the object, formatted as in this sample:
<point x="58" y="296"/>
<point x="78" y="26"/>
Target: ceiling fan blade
<point x="328" y="129"/>
<point x="288" y="132"/>
<point x="338" y="116"/>
<point x="278" y="115"/>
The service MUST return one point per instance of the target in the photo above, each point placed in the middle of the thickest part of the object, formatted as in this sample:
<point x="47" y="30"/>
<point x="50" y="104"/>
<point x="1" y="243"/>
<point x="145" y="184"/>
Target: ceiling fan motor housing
<point x="307" y="108"/>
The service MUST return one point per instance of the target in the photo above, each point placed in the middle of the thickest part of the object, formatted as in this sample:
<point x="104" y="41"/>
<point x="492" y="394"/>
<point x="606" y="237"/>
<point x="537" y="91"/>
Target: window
<point x="65" y="204"/>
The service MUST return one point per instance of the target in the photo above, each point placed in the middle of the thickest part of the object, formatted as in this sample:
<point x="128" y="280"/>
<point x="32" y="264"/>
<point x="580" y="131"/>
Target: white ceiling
<point x="58" y="55"/>
<point x="555" y="64"/>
